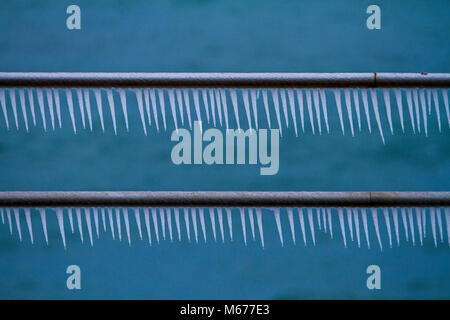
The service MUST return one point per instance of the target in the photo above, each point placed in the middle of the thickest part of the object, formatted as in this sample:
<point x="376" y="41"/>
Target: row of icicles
<point x="320" y="218"/>
<point x="419" y="104"/>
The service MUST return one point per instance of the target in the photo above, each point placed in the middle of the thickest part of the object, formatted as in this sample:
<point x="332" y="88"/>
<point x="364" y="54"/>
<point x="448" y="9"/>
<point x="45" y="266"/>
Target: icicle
<point x="29" y="225"/>
<point x="111" y="222"/>
<point x="318" y="219"/>
<point x="439" y="220"/>
<point x="8" y="215"/>
<point x="387" y="103"/>
<point x="40" y="97"/>
<point x="419" y="224"/>
<point x="311" y="225"/>
<point x="110" y="96"/>
<point x="3" y="102"/>
<point x="424" y="222"/>
<point x="424" y="110"/>
<point x="330" y="225"/>
<point x="3" y="217"/>
<point x="23" y="106"/>
<point x="123" y="102"/>
<point x="223" y="97"/>
<point x="433" y="224"/>
<point x="317" y="107"/>
<point x="213" y="222"/>
<point x="302" y="224"/>
<point x="81" y="105"/>
<point x="337" y="97"/>
<point x="356" y="102"/>
<point x="350" y="222"/>
<point x="169" y="223"/>
<point x="309" y="105"/>
<point x="366" y="108"/>
<point x="291" y="223"/>
<point x="205" y="103"/>
<point x="405" y="223"/>
<point x="194" y="223"/>
<point x="202" y="222"/>
<point x="445" y="97"/>
<point x="173" y="107"/>
<point x="213" y="106"/>
<point x="324" y="217"/>
<point x="247" y="107"/>
<point x="410" y="109"/>
<point x="179" y="96"/>
<point x="230" y="225"/>
<point x="348" y="103"/>
<point x="154" y="109"/>
<point x="416" y="106"/>
<point x="44" y="223"/>
<point x="266" y="106"/>
<point x="12" y="98"/>
<point x="60" y="217"/>
<point x="218" y="105"/>
<point x="147" y="106"/>
<point x="447" y="220"/>
<point x="276" y="104"/>
<point x="57" y="105"/>
<point x="377" y="229"/>
<point x="162" y="105"/>
<point x="260" y="225"/>
<point x="220" y="218"/>
<point x="429" y="101"/>
<point x="69" y="104"/>
<point x="163" y="222"/>
<point x="177" y="222"/>
<point x="284" y="105"/>
<point x="323" y="100"/>
<point x="80" y="228"/>
<point x="138" y="93"/>
<point x="276" y="212"/>
<point x="87" y="216"/>
<point x="292" y="107"/>
<point x="365" y="225"/>
<point x="411" y="225"/>
<point x="103" y="219"/>
<point x="197" y="105"/>
<point x="95" y="210"/>
<point x="342" y="223"/>
<point x="233" y="95"/>
<point x="69" y="213"/>
<point x="87" y="100"/>
<point x="137" y="217"/>
<point x="252" y="223"/>
<point x="17" y="218"/>
<point x="244" y="232"/>
<point x="395" y="218"/>
<point x="147" y="225"/>
<point x="119" y="224"/>
<point x="254" y="106"/>
<point x="388" y="225"/>
<point x="186" y="221"/>
<point x="373" y="95"/>
<point x="356" y="219"/>
<point x="127" y="224"/>
<point x="436" y="106"/>
<point x="188" y="107"/>
<point x="398" y="98"/>
<point x="98" y="99"/>
<point x="155" y="223"/>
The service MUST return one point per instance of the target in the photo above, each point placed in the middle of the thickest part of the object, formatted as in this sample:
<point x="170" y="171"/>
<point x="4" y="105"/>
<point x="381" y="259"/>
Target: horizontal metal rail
<point x="223" y="199"/>
<point x="223" y="80"/>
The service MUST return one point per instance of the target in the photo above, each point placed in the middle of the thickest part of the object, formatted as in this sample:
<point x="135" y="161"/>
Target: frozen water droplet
<point x="230" y="224"/>
<point x="356" y="219"/>
<point x="147" y="225"/>
<point x="291" y="223"/>
<point x="284" y="105"/>
<point x="411" y="225"/>
<point x="317" y="108"/>
<point x="162" y="105"/>
<point x="348" y="103"/>
<point x="373" y="95"/>
<point x="40" y="97"/>
<point x="127" y="224"/>
<point x="60" y="218"/>
<point x="69" y="104"/>
<point x="276" y="212"/>
<point x="302" y="224"/>
<point x="309" y="105"/>
<point x="44" y="223"/>
<point x="337" y="97"/>
<point x="177" y="222"/>
<point x="123" y="102"/>
<point x="23" y="106"/>
<point x="398" y="98"/>
<point x="366" y="107"/>
<point x="213" y="222"/>
<point x="155" y="223"/>
<point x="260" y="225"/>
<point x="110" y="96"/>
<point x="244" y="232"/>
<point x="29" y="225"/>
<point x="220" y="218"/>
<point x="138" y="93"/>
<point x="311" y="225"/>
<point x="81" y="105"/>
<point x="98" y="99"/>
<point x="342" y="224"/>
<point x="388" y="225"/>
<point x="276" y="104"/>
<point x="387" y="103"/>
<point x="247" y="106"/>
<point x="154" y="109"/>
<point x="194" y="223"/>
<point x="365" y="225"/>
<point x="202" y="222"/>
<point x="87" y="100"/>
<point x="87" y="216"/>
<point x="186" y="221"/>
<point x="266" y="106"/>
<point x="137" y="217"/>
<point x="252" y="222"/>
<point x="17" y="218"/>
<point x="169" y="223"/>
